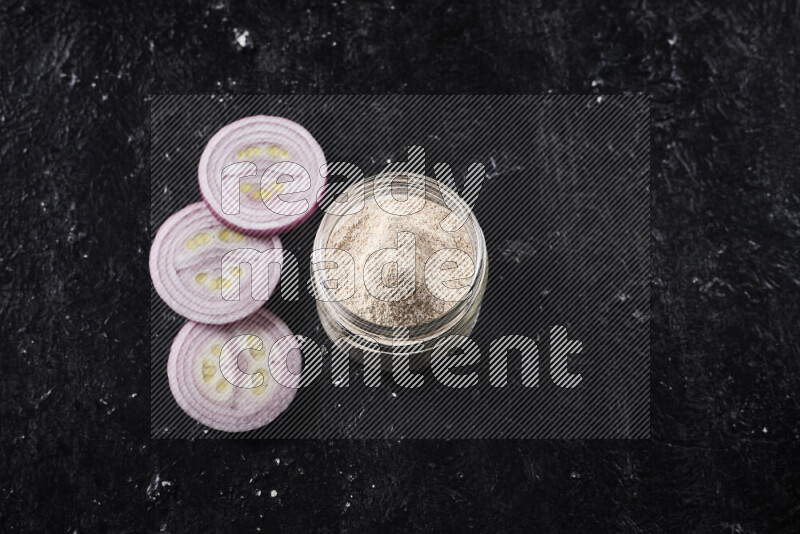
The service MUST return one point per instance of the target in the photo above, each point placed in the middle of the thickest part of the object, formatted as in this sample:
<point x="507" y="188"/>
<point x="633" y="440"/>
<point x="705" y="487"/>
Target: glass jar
<point x="340" y="322"/>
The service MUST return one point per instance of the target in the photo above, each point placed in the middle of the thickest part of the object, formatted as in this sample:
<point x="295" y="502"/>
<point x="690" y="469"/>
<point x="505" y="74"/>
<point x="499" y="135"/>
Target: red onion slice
<point x="250" y="356"/>
<point x="262" y="174"/>
<point x="186" y="265"/>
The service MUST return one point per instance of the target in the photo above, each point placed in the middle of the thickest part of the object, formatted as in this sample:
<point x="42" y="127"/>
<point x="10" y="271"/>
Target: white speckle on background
<point x="243" y="38"/>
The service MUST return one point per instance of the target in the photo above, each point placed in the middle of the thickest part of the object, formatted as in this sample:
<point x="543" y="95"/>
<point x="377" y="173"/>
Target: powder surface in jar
<point x="373" y="229"/>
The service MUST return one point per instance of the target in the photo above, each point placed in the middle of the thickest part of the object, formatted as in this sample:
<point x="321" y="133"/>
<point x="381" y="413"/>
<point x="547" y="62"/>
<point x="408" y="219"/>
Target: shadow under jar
<point x="407" y="332"/>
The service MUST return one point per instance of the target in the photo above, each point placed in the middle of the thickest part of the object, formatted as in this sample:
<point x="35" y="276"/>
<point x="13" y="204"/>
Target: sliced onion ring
<point x="280" y="187"/>
<point x="187" y="269"/>
<point x="200" y="389"/>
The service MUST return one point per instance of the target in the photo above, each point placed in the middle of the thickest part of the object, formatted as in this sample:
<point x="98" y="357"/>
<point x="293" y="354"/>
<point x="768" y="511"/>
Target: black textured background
<point x="725" y="309"/>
